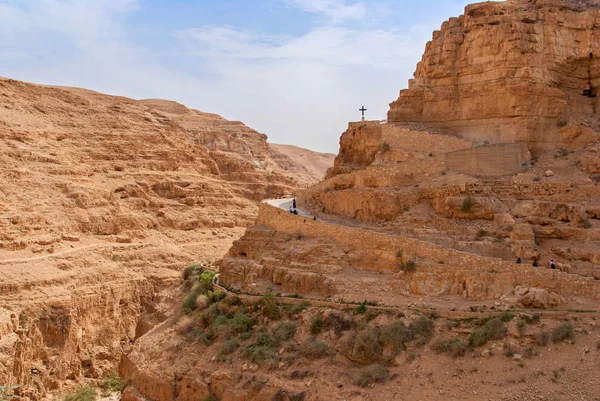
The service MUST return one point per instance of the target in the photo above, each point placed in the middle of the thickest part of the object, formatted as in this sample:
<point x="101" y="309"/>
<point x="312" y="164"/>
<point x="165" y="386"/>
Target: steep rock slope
<point x="304" y="165"/>
<point x="508" y="71"/>
<point x="103" y="201"/>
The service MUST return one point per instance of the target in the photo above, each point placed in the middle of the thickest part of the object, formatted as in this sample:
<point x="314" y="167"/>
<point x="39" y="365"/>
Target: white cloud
<point x="334" y="11"/>
<point x="302" y="89"/>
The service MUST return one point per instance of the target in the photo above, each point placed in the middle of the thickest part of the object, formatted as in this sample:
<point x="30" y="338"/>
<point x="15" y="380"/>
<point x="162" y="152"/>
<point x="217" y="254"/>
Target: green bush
<point x="215" y="296"/>
<point x="191" y="270"/>
<point x="210" y="397"/>
<point x="297" y="308"/>
<point x="455" y="347"/>
<point x="507" y="316"/>
<point x="313" y="349"/>
<point x="269" y="307"/>
<point x="284" y="331"/>
<point x="410" y="266"/>
<point x="521" y="326"/>
<point x="366" y="345"/>
<point x="82" y="393"/>
<point x="395" y="335"/>
<point x="317" y="324"/>
<point x="493" y="329"/>
<point x="385" y="147"/>
<point x="339" y="323"/>
<point x="189" y="303"/>
<point x="467" y="204"/>
<point x="241" y="323"/>
<point x="563" y="332"/>
<point x="373" y="374"/>
<point x="112" y="383"/>
<point x="542" y="338"/>
<point x="422" y="330"/>
<point x="228" y="347"/>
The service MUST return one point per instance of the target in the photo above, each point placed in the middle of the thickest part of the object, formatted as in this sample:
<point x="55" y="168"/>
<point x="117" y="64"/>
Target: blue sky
<point x="296" y="70"/>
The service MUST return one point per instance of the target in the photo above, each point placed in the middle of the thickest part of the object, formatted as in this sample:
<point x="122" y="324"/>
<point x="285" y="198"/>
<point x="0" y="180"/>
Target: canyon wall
<point x="509" y="71"/>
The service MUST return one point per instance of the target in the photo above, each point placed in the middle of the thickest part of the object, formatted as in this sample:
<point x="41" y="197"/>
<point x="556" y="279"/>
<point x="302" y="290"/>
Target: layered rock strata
<point x="512" y="71"/>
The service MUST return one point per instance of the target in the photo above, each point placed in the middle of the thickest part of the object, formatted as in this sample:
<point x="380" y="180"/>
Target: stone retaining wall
<point x="476" y="272"/>
<point x="489" y="160"/>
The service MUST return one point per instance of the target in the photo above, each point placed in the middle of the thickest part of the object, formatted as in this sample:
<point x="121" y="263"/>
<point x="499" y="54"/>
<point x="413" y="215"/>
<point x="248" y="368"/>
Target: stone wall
<point x="473" y="276"/>
<point x="489" y="160"/>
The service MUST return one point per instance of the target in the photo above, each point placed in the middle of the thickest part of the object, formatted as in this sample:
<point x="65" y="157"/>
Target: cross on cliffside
<point x="362" y="109"/>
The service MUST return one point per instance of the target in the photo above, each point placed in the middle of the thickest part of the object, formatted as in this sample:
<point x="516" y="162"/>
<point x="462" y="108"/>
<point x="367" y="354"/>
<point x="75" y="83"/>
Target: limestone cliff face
<point x="508" y="71"/>
<point x="103" y="201"/>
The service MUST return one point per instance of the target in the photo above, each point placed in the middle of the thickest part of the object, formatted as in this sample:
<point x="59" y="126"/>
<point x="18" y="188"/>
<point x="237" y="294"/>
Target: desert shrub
<point x="529" y="352"/>
<point x="482" y="233"/>
<point x="284" y="331"/>
<point x="373" y="374"/>
<point x="507" y="316"/>
<point x="112" y="383"/>
<point x="385" y="147"/>
<point x="317" y="324"/>
<point x="269" y="307"/>
<point x="191" y="270"/>
<point x="262" y="348"/>
<point x="521" y="327"/>
<point x="339" y="323"/>
<point x="241" y="323"/>
<point x="215" y="296"/>
<point x="563" y="332"/>
<point x="208" y="316"/>
<point x="399" y="253"/>
<point x="422" y="330"/>
<point x="229" y="347"/>
<point x="585" y="223"/>
<point x="542" y="338"/>
<point x="265" y="339"/>
<point x="467" y="204"/>
<point x="82" y="393"/>
<point x="205" y="282"/>
<point x="561" y="153"/>
<point x="493" y="329"/>
<point x="410" y="266"/>
<point x="395" y="335"/>
<point x="532" y="319"/>
<point x="510" y="352"/>
<point x="297" y="308"/>
<point x="455" y="347"/>
<point x="366" y="345"/>
<point x="210" y="397"/>
<point x="311" y="348"/>
<point x="561" y="123"/>
<point x="189" y="303"/>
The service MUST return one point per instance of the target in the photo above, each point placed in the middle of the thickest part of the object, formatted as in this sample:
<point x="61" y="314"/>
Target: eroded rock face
<point x="508" y="71"/>
<point x="538" y="298"/>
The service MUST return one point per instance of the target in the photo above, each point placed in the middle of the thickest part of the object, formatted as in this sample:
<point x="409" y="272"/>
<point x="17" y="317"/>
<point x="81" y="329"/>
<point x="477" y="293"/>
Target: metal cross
<point x="362" y="109"/>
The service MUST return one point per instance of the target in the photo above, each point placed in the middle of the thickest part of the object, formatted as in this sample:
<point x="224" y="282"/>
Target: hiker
<point x="294" y="203"/>
<point x="315" y="218"/>
<point x="552" y="264"/>
<point x="295" y="211"/>
<point x="291" y="211"/>
<point x="535" y="263"/>
<point x="518" y="261"/>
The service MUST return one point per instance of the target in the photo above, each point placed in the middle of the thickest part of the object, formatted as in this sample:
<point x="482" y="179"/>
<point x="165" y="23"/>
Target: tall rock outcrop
<point x="509" y="71"/>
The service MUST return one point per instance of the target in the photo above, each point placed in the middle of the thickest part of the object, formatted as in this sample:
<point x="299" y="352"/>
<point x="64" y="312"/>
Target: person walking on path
<point x="294" y="203"/>
<point x="552" y="264"/>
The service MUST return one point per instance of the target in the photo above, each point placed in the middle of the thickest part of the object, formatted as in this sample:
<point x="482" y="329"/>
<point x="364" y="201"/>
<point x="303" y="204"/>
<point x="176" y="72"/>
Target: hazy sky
<point x="296" y="70"/>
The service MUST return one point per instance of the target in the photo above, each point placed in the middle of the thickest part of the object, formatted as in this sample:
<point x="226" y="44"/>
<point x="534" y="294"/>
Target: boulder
<point x="538" y="298"/>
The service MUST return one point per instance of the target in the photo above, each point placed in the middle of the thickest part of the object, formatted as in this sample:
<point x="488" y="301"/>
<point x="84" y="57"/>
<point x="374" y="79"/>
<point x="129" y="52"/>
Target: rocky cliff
<point x="509" y="71"/>
<point x="103" y="201"/>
